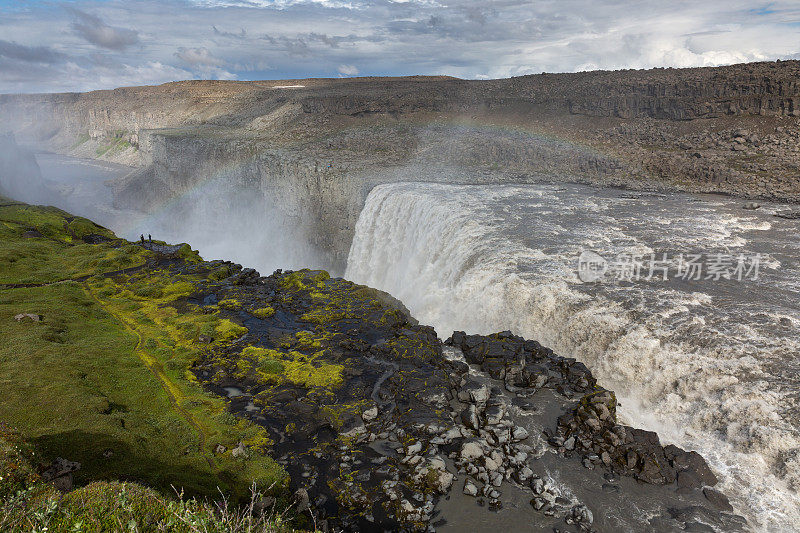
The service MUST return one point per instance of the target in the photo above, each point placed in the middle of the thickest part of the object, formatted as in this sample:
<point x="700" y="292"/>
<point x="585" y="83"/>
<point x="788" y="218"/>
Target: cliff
<point x="315" y="151"/>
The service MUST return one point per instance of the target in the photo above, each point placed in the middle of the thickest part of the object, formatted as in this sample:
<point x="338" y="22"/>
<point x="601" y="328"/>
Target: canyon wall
<point x="316" y="150"/>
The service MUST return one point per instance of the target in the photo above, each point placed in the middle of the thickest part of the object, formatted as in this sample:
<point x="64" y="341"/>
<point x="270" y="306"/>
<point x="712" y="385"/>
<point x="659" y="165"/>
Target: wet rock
<point x="59" y="467"/>
<point x="470" y="489"/>
<point x="717" y="499"/>
<point x="370" y="414"/>
<point x="580" y="514"/>
<point x="693" y="462"/>
<point x="519" y="433"/>
<point x="687" y="479"/>
<point x="301" y="500"/>
<point x="524" y="474"/>
<point x="60" y="474"/>
<point x="469" y="417"/>
<point x="414" y="448"/>
<point x="241" y="451"/>
<point x="477" y="393"/>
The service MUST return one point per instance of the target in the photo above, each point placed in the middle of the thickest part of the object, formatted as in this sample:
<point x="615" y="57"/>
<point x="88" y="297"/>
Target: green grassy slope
<point x="102" y="379"/>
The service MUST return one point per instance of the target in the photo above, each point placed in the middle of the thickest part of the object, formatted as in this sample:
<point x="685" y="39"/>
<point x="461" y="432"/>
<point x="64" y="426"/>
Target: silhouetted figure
<point x="149" y="238"/>
<point x="142" y="237"/>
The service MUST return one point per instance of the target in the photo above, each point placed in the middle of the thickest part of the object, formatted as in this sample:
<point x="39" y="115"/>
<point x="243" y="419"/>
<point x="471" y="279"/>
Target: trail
<point x="173" y="392"/>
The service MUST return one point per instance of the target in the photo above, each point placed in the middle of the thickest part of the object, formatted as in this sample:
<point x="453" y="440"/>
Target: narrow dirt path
<point x="169" y="387"/>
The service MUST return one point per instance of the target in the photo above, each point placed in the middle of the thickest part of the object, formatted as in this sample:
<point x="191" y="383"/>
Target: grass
<point x="116" y="144"/>
<point x="103" y="379"/>
<point x="27" y="504"/>
<point x="82" y="138"/>
<point x="57" y="250"/>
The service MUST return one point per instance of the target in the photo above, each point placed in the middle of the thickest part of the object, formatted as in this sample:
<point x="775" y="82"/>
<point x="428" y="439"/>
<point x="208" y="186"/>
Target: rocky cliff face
<point x="315" y="151"/>
<point x="769" y="89"/>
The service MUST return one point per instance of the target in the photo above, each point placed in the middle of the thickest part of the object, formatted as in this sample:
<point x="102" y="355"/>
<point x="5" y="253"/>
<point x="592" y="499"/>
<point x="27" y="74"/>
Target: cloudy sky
<point x="77" y="45"/>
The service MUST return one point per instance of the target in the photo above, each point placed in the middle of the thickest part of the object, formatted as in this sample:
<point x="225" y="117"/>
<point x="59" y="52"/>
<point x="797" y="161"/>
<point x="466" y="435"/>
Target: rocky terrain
<point x="327" y="395"/>
<point x="315" y="150"/>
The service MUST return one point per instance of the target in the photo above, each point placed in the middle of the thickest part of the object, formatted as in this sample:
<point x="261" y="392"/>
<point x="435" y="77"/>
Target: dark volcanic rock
<point x="351" y="389"/>
<point x="587" y="427"/>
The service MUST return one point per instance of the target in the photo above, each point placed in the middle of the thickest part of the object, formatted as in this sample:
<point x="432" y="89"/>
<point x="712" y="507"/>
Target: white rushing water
<point x="712" y="365"/>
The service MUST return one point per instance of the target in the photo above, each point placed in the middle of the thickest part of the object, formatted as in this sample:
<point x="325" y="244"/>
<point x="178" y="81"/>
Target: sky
<point x="80" y="45"/>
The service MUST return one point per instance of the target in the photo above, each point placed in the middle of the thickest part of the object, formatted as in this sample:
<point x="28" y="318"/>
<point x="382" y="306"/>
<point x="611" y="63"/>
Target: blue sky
<point x="78" y="45"/>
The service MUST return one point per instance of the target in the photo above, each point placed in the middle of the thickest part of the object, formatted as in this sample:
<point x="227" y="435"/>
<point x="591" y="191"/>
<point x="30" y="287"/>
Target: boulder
<point x="470" y="451"/>
<point x="31" y="316"/>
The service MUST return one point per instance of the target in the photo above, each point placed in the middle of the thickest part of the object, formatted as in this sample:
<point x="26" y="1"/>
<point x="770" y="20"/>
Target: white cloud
<point x="282" y="39"/>
<point x="198" y="56"/>
<point x="348" y="70"/>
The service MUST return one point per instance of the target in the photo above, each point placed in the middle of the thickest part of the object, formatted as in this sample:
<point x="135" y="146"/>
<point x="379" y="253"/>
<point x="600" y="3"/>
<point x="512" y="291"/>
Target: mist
<point x="239" y="225"/>
<point x="20" y="176"/>
<point x="220" y="221"/>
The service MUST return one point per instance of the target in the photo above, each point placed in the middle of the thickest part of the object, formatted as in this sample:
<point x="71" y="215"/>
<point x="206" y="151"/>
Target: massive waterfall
<point x="710" y="364"/>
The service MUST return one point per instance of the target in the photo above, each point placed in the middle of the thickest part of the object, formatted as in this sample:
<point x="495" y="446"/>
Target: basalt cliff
<point x="315" y="148"/>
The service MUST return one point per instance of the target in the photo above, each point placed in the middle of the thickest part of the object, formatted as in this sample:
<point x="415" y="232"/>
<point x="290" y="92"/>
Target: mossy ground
<point x="103" y="379"/>
<point x="139" y="346"/>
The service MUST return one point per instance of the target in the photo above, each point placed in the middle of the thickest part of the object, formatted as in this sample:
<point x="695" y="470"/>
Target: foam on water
<point x="711" y="366"/>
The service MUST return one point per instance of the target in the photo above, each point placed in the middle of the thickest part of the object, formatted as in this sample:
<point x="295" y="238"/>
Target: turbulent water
<point x="711" y="364"/>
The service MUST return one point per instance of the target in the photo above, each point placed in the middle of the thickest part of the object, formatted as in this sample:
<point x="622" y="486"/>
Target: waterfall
<point x="486" y="259"/>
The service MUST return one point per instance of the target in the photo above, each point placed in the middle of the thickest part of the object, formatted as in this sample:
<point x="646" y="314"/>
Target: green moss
<point x="263" y="312"/>
<point x="221" y="273"/>
<point x="190" y="256"/>
<point x="227" y="330"/>
<point x="231" y="304"/>
<point x="115" y="145"/>
<point x="82" y="138"/>
<point x="178" y="290"/>
<point x="307" y="339"/>
<point x="305" y="280"/>
<point x="300" y="369"/>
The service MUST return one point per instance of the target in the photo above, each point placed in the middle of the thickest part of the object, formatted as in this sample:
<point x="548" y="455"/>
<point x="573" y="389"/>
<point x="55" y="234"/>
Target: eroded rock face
<point x="316" y="152"/>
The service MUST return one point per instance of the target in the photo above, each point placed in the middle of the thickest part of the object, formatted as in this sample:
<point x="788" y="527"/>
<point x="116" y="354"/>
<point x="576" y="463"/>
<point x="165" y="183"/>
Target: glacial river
<point x="711" y="364"/>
